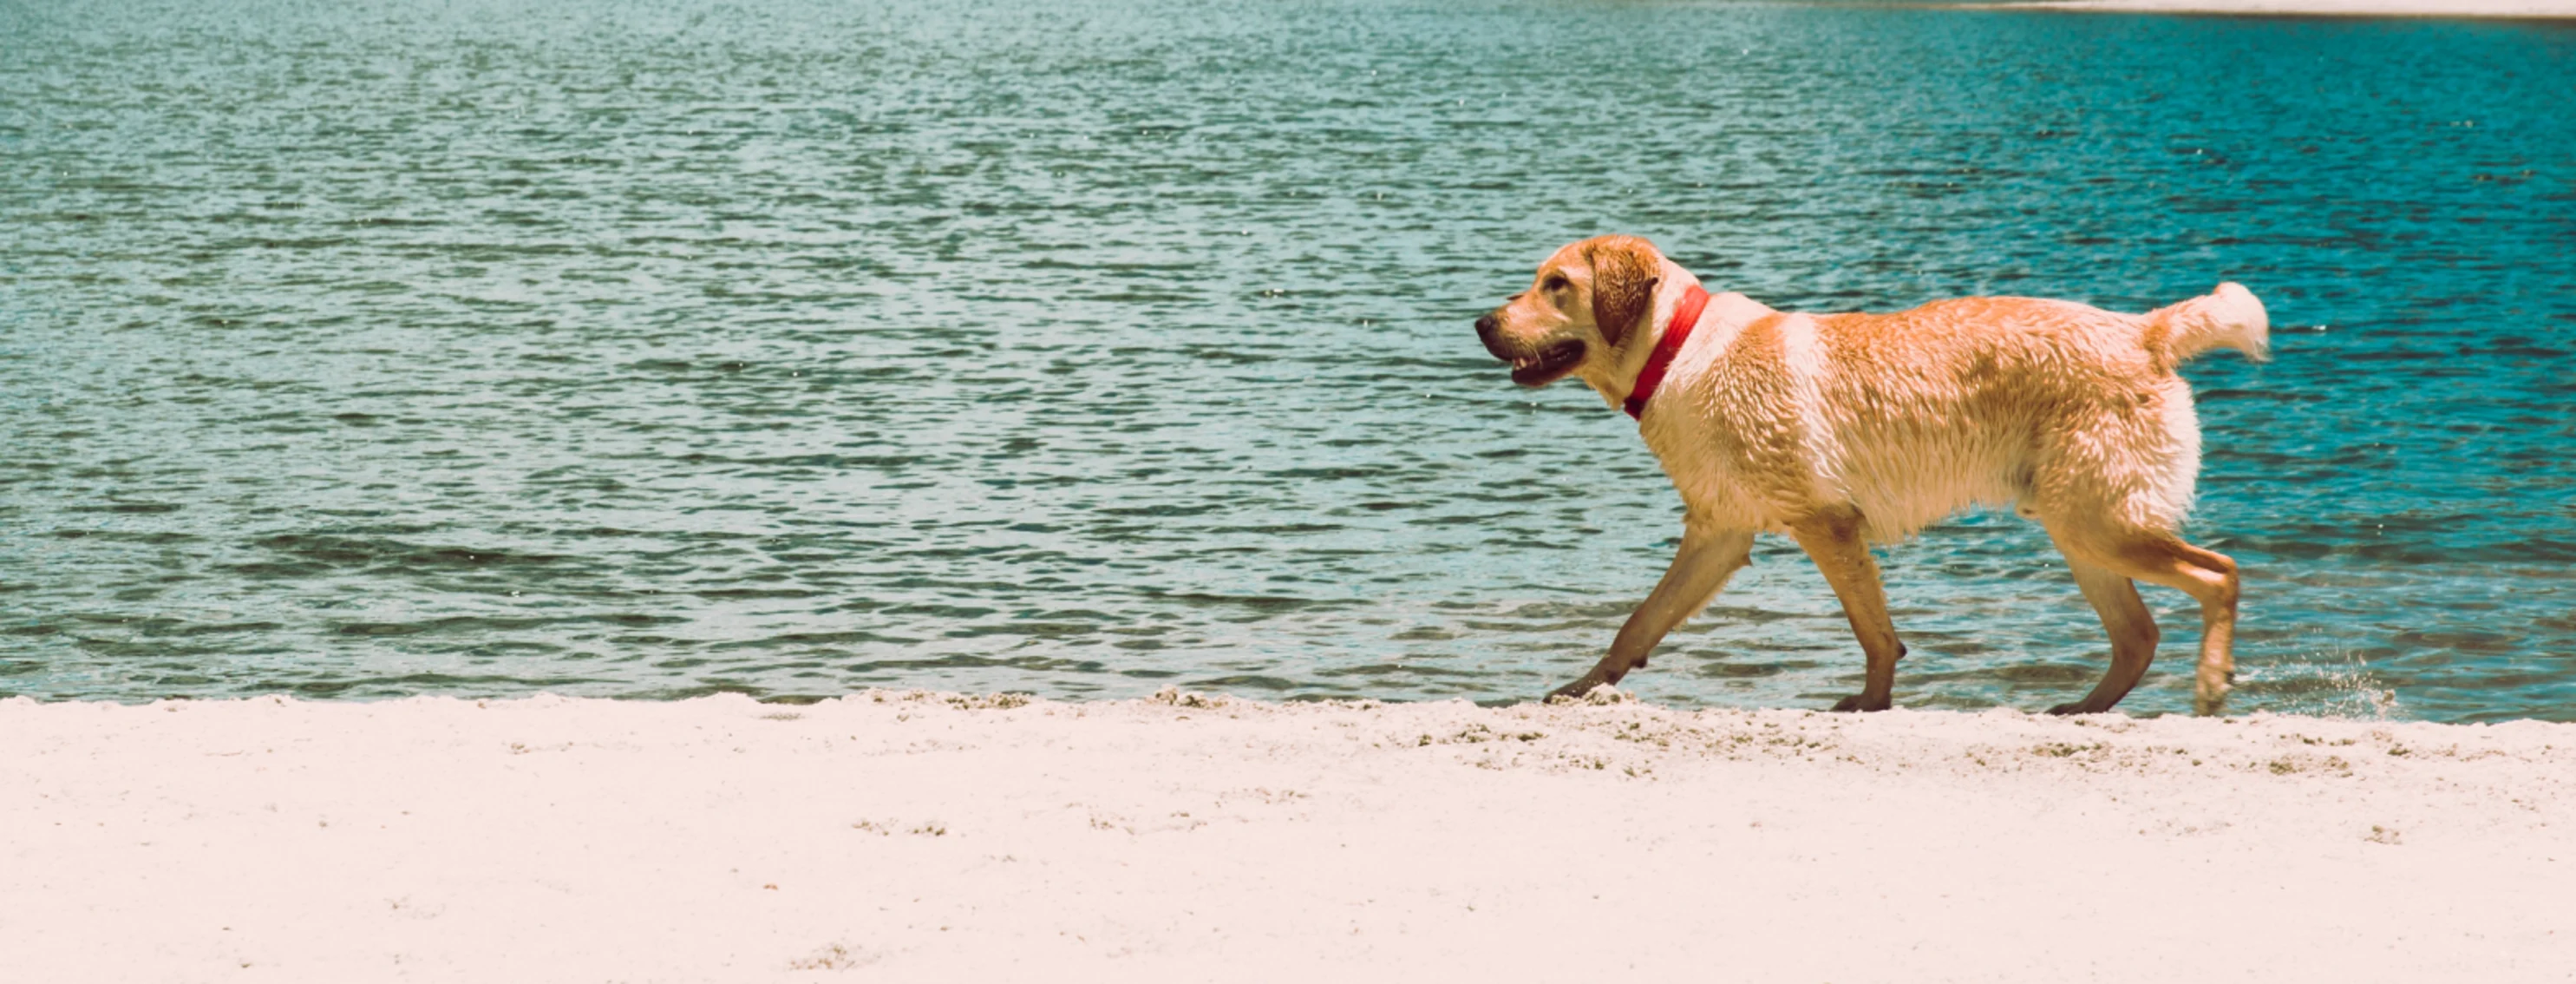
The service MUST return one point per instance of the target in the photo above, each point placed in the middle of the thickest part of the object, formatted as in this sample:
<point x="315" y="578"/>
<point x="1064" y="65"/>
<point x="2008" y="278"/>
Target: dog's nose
<point x="1485" y="329"/>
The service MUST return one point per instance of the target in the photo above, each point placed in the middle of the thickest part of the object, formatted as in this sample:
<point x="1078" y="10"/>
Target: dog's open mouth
<point x="1548" y="365"/>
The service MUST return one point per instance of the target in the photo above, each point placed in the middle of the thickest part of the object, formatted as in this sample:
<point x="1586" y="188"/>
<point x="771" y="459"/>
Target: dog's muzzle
<point x="1537" y="368"/>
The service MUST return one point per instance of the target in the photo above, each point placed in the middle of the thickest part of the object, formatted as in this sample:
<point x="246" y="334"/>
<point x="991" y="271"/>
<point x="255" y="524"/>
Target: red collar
<point x="1685" y="318"/>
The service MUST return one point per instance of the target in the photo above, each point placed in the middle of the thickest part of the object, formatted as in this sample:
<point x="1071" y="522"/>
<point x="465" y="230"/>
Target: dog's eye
<point x="1553" y="282"/>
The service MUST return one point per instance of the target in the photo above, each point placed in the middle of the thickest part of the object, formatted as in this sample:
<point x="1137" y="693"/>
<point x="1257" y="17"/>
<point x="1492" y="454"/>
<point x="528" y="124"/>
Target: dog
<point x="1843" y="430"/>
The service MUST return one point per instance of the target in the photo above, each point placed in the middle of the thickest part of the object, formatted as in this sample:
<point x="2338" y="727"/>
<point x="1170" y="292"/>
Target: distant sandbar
<point x="2517" y="9"/>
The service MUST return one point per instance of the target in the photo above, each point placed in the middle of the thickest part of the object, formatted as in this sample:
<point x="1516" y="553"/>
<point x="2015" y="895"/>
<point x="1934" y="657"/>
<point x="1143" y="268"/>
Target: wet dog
<point x="1845" y="429"/>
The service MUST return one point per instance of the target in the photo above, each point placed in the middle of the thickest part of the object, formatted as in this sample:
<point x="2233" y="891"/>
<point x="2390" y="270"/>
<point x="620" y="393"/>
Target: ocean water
<point x="1084" y="347"/>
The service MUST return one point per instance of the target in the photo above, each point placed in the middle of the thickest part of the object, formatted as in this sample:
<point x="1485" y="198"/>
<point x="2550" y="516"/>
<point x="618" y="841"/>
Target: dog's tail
<point x="2228" y="317"/>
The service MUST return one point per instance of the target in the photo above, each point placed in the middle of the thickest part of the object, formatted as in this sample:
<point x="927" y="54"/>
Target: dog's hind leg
<point x="2132" y="630"/>
<point x="1700" y="568"/>
<point x="2206" y="575"/>
<point x="1832" y="539"/>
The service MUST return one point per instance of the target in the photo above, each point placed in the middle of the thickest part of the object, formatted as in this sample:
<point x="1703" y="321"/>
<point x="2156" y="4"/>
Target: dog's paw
<point x="1861" y="702"/>
<point x="2070" y="707"/>
<point x="1595" y="695"/>
<point x="2209" y="692"/>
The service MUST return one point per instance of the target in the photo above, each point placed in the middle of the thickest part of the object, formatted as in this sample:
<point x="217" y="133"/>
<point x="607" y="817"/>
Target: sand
<point x="2522" y="9"/>
<point x="922" y="837"/>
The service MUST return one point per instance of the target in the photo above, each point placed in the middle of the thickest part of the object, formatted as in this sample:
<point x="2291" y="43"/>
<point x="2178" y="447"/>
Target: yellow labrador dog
<point x="1846" y="429"/>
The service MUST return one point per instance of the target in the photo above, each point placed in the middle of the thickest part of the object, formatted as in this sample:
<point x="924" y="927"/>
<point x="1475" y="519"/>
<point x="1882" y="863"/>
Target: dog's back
<point x="2048" y="406"/>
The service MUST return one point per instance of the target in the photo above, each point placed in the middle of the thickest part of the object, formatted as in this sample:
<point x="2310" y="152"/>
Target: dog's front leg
<point x="1706" y="560"/>
<point x="1832" y="538"/>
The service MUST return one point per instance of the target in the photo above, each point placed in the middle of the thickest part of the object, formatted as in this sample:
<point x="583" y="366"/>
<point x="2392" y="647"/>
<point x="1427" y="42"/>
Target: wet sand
<point x="920" y="837"/>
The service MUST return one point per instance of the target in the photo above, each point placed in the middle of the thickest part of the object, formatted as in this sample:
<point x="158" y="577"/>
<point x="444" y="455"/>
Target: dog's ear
<point x="1624" y="272"/>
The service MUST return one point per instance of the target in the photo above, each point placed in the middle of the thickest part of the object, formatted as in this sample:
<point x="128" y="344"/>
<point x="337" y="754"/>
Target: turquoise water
<point x="370" y="349"/>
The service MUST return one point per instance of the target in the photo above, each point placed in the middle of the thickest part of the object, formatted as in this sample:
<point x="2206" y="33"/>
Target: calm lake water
<point x="364" y="349"/>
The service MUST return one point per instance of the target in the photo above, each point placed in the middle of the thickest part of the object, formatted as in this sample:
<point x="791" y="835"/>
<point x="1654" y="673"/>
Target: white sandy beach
<point x="918" y="837"/>
<point x="2523" y="9"/>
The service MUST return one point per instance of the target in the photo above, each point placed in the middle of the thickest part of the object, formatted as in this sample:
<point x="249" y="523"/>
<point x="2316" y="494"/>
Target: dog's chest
<point x="1730" y="426"/>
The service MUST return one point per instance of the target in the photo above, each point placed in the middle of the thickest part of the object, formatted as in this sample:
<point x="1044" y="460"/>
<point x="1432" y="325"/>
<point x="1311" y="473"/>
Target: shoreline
<point x="2545" y="10"/>
<point x="920" y="836"/>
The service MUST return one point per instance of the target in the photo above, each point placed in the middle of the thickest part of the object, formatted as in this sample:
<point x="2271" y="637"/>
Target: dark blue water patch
<point x="787" y="348"/>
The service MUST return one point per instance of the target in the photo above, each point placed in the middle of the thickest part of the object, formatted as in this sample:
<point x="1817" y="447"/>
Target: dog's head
<point x="1588" y="301"/>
